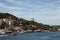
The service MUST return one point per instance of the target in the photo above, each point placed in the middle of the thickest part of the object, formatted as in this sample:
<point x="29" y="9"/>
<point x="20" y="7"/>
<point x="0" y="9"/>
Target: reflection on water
<point x="34" y="36"/>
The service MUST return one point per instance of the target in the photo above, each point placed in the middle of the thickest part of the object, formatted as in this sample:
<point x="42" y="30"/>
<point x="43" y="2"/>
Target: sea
<point x="33" y="36"/>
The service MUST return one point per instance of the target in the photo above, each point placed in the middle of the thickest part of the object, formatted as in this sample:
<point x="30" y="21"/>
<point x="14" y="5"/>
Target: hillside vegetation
<point x="28" y="24"/>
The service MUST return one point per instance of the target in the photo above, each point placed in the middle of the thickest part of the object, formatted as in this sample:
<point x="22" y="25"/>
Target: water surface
<point x="34" y="36"/>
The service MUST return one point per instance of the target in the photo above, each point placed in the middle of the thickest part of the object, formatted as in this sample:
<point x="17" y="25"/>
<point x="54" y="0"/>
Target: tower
<point x="32" y="21"/>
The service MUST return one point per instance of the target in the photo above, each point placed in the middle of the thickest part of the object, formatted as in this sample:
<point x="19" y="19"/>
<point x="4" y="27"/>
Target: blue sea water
<point x="34" y="36"/>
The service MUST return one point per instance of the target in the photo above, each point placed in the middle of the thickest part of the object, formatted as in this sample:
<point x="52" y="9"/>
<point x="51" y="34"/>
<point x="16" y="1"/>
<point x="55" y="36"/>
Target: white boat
<point x="2" y="32"/>
<point x="7" y="33"/>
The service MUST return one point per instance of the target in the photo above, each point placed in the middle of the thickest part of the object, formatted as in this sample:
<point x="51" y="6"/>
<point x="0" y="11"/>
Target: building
<point x="31" y="19"/>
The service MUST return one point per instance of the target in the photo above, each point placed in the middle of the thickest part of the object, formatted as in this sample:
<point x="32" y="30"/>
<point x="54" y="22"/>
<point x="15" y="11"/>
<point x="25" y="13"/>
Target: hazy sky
<point x="43" y="11"/>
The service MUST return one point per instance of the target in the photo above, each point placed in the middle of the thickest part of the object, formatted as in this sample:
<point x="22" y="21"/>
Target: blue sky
<point x="43" y="11"/>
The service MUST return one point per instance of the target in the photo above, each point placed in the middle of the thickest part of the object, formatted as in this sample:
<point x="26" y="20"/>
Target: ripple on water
<point x="34" y="36"/>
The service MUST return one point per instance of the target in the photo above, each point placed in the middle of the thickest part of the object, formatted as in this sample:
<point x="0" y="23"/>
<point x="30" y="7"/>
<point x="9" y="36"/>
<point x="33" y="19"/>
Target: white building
<point x="8" y="21"/>
<point x="31" y="19"/>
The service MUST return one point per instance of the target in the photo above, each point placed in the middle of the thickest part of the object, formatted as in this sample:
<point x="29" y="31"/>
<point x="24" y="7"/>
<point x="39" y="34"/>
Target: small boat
<point x="8" y="32"/>
<point x="2" y="32"/>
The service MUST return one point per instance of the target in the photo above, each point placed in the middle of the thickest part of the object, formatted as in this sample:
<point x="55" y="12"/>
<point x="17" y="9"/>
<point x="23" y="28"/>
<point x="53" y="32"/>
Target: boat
<point x="2" y="32"/>
<point x="8" y="32"/>
<point x="11" y="33"/>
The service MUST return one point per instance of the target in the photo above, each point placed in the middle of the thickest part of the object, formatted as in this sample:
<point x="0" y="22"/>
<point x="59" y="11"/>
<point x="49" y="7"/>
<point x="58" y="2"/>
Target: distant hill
<point x="10" y="16"/>
<point x="7" y="15"/>
<point x="27" y="22"/>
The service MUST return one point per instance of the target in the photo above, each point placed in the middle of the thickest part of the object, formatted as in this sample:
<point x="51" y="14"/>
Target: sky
<point x="43" y="11"/>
